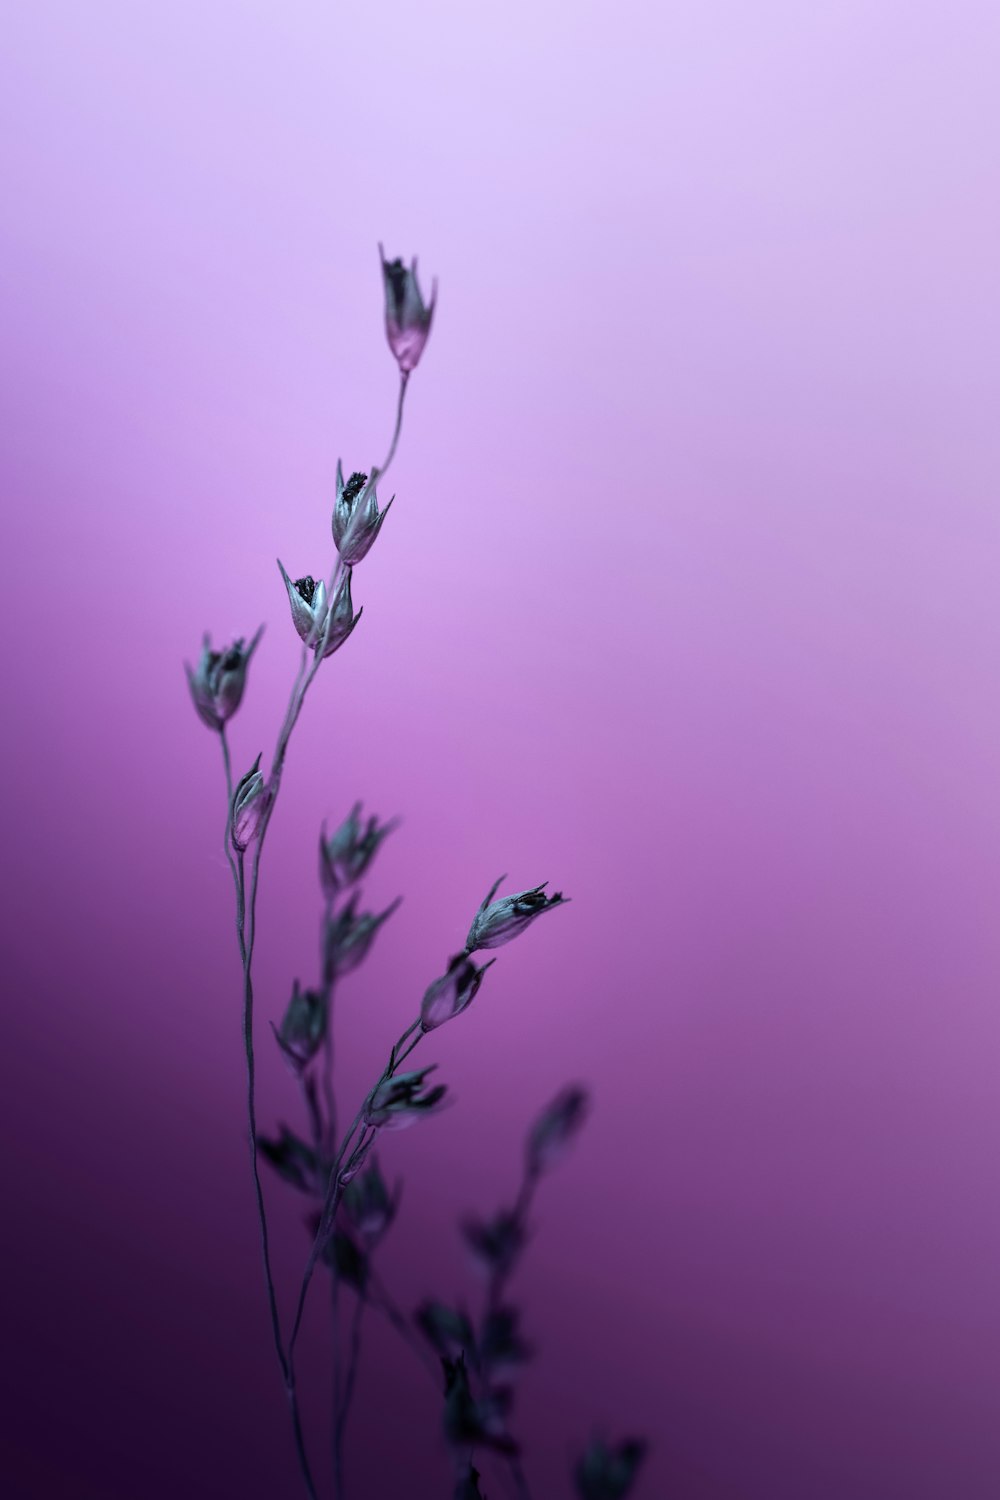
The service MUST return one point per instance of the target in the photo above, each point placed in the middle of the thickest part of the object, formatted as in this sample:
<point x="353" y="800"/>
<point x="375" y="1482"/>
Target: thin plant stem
<point x="248" y="931"/>
<point x="340" y="1423"/>
<point x="226" y="840"/>
<point x="404" y="379"/>
<point x="338" y="1478"/>
<point x="333" y="1191"/>
<point x="246" y="912"/>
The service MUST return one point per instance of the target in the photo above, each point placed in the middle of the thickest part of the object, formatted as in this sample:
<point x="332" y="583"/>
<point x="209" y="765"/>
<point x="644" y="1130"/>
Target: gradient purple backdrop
<point x="689" y="603"/>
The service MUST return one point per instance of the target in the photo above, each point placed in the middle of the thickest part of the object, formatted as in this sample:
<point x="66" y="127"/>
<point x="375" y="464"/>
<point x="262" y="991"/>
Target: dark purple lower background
<point x="688" y="602"/>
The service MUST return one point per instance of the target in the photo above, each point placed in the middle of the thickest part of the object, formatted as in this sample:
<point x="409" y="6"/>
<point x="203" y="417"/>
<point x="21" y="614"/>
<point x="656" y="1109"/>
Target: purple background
<point x="688" y="603"/>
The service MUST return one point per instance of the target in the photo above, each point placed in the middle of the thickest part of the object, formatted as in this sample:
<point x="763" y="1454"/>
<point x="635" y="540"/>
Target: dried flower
<point x="501" y="1348"/>
<point x="555" y="1128"/>
<point x="467" y="1487"/>
<point x="296" y="1162"/>
<point x="469" y="1423"/>
<point x="357" y="519"/>
<point x="496" y="922"/>
<point x="368" y="1205"/>
<point x="218" y="681"/>
<point x="398" y="1102"/>
<point x="407" y="319"/>
<point x="249" y="804"/>
<point x="453" y="992"/>
<point x="303" y="1027"/>
<point x="605" y="1473"/>
<point x="347" y="938"/>
<point x="447" y="1330"/>
<point x="345" y="855"/>
<point x="496" y="1243"/>
<point x="348" y="1260"/>
<point x="310" y="612"/>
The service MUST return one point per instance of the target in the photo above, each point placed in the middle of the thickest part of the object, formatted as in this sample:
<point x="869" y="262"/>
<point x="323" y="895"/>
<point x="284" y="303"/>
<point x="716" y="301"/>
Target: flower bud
<point x="400" y="1101"/>
<point x="357" y="519"/>
<point x="496" y="922"/>
<point x="407" y="319"/>
<point x="496" y="1243"/>
<point x="347" y="938"/>
<point x="452" y="993"/>
<point x="605" y="1473"/>
<point x="303" y="1027"/>
<point x="368" y="1205"/>
<point x="295" y="1162"/>
<point x="345" y="855"/>
<point x="555" y="1128"/>
<point x="313" y="618"/>
<point x="469" y="1423"/>
<point x="347" y="1259"/>
<point x="502" y="1350"/>
<point x="250" y="803"/>
<point x="467" y="1485"/>
<point x="446" y="1329"/>
<point x="218" y="681"/>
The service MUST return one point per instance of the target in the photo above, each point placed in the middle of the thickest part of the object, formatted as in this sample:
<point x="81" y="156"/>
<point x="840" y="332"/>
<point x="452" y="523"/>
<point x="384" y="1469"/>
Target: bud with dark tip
<point x="407" y="319"/>
<point x="249" y="804"/>
<point x="605" y="1473"/>
<point x="357" y="519"/>
<point x="303" y="1027"/>
<point x="321" y="626"/>
<point x="345" y="854"/>
<point x="218" y="681"/>
<point x="555" y="1128"/>
<point x="452" y="993"/>
<point x="496" y="922"/>
<point x="400" y="1101"/>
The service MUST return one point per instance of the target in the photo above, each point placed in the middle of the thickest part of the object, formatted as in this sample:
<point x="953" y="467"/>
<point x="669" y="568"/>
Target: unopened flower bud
<point x="398" y="1102"/>
<point x="345" y="854"/>
<point x="555" y="1128"/>
<point x="467" y="1485"/>
<point x="295" y="1162"/>
<point x="303" y="1027"/>
<point x="322" y="627"/>
<point x="218" y="681"/>
<point x="496" y="922"/>
<point x="357" y="519"/>
<point x="502" y="1350"/>
<point x="368" y="1204"/>
<point x="250" y="801"/>
<point x="452" y="993"/>
<point x="347" y="937"/>
<point x="605" y="1473"/>
<point x="496" y="1243"/>
<point x="407" y="319"/>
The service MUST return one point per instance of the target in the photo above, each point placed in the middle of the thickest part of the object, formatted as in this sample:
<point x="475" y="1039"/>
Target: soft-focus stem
<point x="246" y="928"/>
<point x="245" y="883"/>
<point x="226" y="840"/>
<point x="338" y="1478"/>
<point x="340" y="1420"/>
<point x="404" y="379"/>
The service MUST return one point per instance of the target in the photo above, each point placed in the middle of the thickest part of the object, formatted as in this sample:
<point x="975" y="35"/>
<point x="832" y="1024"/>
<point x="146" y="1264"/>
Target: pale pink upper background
<point x="688" y="602"/>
